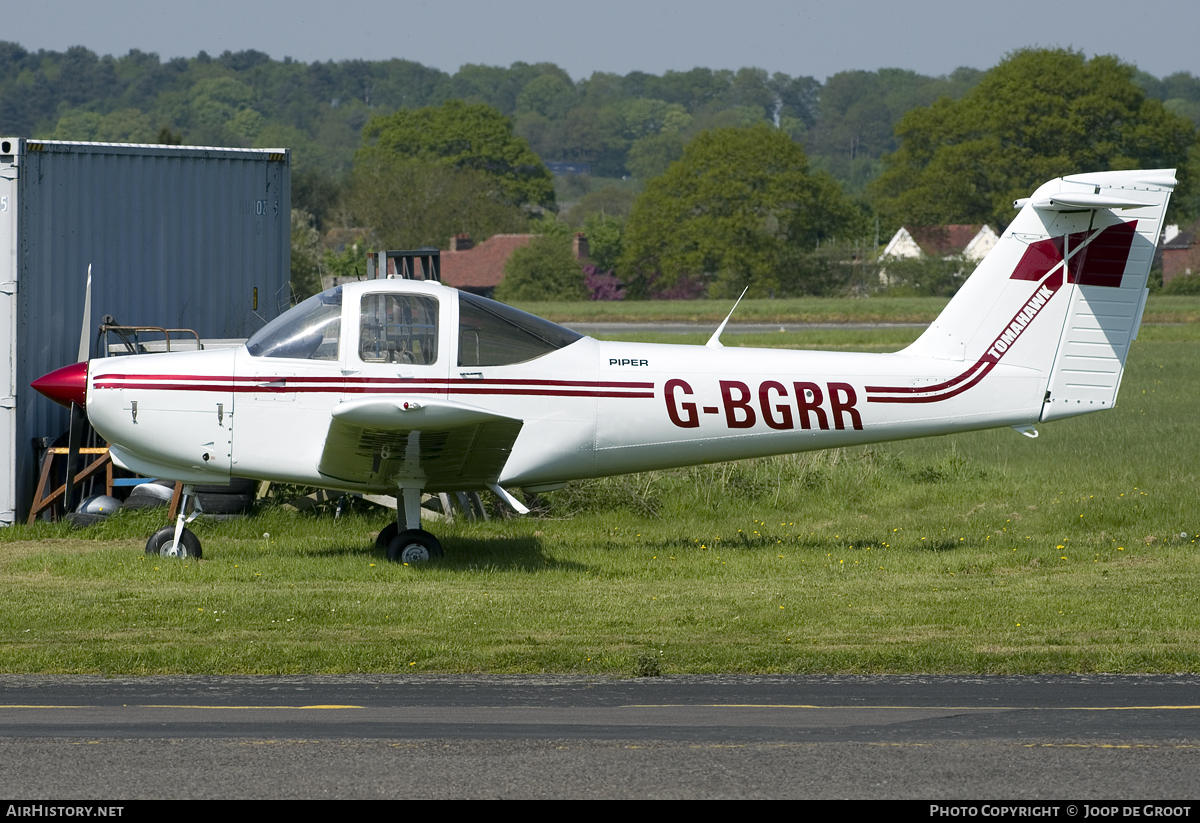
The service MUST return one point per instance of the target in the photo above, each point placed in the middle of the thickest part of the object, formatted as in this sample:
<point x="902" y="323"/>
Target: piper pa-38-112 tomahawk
<point x="405" y="386"/>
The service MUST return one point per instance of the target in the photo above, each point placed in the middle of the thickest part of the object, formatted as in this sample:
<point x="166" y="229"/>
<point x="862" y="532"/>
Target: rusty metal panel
<point x="177" y="236"/>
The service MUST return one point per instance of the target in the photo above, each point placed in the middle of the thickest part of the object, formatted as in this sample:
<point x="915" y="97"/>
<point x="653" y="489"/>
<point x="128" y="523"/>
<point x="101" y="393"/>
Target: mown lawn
<point x="977" y="553"/>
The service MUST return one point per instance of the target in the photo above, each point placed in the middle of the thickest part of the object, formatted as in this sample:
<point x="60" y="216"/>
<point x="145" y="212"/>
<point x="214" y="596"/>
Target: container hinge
<point x="8" y="402"/>
<point x="8" y="287"/>
<point x="9" y="173"/>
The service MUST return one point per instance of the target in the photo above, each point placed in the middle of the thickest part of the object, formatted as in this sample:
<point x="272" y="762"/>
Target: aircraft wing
<point x="454" y="446"/>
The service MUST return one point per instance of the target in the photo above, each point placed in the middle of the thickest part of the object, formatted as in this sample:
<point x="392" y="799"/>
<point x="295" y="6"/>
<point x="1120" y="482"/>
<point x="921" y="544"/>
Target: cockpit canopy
<point x="402" y="327"/>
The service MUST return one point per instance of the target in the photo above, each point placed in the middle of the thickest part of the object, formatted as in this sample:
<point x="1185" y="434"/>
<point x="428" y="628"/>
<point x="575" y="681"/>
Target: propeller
<point x="68" y="387"/>
<point x="78" y="413"/>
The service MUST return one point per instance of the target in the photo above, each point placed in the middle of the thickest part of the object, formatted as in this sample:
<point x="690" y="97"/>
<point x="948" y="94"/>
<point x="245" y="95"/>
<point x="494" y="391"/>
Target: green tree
<point x="591" y="136"/>
<point x="610" y="201"/>
<point x="605" y="234"/>
<point x="466" y="137"/>
<point x="543" y="270"/>
<point x="410" y="203"/>
<point x="734" y="209"/>
<point x="1038" y="115"/>
<point x="550" y="95"/>
<point x="652" y="155"/>
<point x="306" y="255"/>
<point x="77" y="124"/>
<point x="221" y="110"/>
<point x="858" y="112"/>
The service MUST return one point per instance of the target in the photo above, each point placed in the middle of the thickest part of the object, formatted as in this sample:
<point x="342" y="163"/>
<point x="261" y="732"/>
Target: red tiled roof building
<point x="479" y="269"/>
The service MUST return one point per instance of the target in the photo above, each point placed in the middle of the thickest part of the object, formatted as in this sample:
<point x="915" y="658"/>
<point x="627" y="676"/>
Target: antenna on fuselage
<point x="714" y="342"/>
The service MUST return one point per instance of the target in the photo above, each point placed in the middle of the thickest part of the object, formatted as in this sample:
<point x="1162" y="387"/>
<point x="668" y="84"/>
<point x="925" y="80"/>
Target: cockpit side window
<point x="398" y="328"/>
<point x="493" y="334"/>
<point x="310" y="331"/>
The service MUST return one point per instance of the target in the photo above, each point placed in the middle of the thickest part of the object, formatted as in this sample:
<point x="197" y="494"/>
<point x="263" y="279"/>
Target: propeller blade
<point x="78" y="415"/>
<point x="74" y="441"/>
<point x="85" y="340"/>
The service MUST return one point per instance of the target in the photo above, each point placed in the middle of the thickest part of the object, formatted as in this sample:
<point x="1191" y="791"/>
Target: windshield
<point x="310" y="331"/>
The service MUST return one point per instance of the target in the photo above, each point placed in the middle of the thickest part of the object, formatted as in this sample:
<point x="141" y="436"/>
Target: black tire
<point x="414" y="546"/>
<point x="385" y="537"/>
<point x="160" y="542"/>
<point x="144" y="502"/>
<point x="225" y="503"/>
<point x="236" y="485"/>
<point x="149" y="495"/>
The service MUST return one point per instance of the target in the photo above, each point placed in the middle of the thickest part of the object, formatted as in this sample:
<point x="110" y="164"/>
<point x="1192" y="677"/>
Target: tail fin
<point x="1063" y="290"/>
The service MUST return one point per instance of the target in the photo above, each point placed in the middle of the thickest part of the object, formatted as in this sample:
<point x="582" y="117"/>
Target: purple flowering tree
<point x="602" y="285"/>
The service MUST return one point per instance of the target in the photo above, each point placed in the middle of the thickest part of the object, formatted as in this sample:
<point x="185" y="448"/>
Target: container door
<point x="8" y="331"/>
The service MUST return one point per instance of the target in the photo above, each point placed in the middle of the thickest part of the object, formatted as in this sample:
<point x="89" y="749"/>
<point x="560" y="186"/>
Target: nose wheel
<point x="162" y="543"/>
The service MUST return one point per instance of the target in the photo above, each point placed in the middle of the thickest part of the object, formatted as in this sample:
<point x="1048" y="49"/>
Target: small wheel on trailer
<point x="414" y="546"/>
<point x="385" y="537"/>
<point x="160" y="544"/>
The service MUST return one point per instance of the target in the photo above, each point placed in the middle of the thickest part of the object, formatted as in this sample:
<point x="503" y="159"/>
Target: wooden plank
<point x="40" y="503"/>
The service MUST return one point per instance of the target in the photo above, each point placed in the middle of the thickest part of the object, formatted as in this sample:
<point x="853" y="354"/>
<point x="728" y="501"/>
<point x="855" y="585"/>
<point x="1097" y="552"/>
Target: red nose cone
<point x="66" y="385"/>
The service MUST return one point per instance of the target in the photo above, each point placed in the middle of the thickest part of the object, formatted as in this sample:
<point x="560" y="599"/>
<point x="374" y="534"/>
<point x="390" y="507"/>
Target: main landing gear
<point x="176" y="541"/>
<point x="412" y="544"/>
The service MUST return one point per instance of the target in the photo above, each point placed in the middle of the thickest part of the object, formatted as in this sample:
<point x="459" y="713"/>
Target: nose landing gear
<point x="176" y="541"/>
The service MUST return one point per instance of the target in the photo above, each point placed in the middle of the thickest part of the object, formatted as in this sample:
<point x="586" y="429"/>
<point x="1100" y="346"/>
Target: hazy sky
<point x="798" y="37"/>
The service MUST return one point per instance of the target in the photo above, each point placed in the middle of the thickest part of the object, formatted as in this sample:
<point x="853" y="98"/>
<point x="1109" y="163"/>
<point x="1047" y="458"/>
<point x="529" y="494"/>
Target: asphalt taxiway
<point x="475" y="736"/>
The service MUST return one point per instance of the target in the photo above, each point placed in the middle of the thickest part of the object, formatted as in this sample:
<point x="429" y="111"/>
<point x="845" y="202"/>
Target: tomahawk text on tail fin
<point x="403" y="386"/>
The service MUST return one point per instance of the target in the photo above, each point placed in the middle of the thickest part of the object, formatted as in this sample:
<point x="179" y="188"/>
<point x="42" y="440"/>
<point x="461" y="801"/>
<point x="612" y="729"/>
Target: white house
<point x="971" y="242"/>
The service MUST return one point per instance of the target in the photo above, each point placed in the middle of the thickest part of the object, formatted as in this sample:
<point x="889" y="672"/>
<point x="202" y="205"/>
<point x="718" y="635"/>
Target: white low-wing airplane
<point x="406" y="386"/>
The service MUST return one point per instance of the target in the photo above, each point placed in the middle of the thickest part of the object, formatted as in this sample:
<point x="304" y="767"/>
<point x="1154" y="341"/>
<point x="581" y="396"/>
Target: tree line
<point x="702" y="182"/>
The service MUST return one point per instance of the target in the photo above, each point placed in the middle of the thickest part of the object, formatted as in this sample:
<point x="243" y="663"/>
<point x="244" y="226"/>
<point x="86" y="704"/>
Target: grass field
<point x="1159" y="309"/>
<point x="987" y="552"/>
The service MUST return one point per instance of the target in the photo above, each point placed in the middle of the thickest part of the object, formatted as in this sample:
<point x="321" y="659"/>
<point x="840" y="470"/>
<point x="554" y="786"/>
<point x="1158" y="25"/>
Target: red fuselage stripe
<point x="935" y="398"/>
<point x="928" y="389"/>
<point x="1046" y="290"/>
<point x="233" y="389"/>
<point x="390" y="381"/>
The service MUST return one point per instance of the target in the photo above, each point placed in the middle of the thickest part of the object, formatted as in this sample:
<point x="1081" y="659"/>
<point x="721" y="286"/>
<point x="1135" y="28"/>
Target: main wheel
<point x="413" y="546"/>
<point x="160" y="543"/>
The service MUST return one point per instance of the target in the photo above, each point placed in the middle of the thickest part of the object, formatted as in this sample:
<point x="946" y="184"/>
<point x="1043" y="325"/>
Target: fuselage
<point x="400" y="384"/>
<point x="587" y="408"/>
